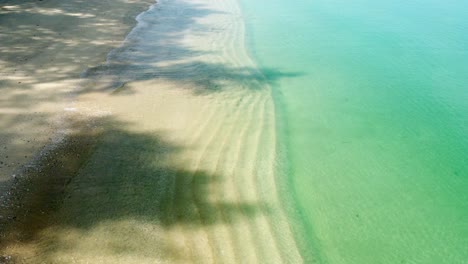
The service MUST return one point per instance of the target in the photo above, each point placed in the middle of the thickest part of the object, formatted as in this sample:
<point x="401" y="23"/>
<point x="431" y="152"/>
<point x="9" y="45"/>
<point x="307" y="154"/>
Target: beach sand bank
<point x="177" y="153"/>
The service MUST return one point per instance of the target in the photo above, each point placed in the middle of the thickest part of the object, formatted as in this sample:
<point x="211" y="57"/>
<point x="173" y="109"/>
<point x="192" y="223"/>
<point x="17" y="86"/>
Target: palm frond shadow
<point x="97" y="178"/>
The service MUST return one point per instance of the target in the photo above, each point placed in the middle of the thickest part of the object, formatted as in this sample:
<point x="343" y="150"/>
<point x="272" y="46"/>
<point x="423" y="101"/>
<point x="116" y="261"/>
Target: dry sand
<point x="176" y="154"/>
<point x="44" y="47"/>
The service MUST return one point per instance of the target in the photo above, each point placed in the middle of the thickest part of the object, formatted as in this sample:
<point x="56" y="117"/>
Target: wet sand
<point x="177" y="153"/>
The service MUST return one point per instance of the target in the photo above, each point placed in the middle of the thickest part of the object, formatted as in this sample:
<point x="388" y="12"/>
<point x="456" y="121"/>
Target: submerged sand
<point x="176" y="153"/>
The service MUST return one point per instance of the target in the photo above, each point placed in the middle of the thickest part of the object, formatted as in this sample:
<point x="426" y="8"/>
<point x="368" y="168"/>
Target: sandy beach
<point x="167" y="149"/>
<point x="45" y="47"/>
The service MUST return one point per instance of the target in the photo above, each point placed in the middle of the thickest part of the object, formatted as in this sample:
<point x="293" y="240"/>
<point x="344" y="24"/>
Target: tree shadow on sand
<point x="105" y="174"/>
<point x="200" y="76"/>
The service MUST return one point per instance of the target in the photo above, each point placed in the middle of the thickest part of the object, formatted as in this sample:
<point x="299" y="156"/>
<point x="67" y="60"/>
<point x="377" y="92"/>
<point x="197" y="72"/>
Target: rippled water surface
<point x="374" y="126"/>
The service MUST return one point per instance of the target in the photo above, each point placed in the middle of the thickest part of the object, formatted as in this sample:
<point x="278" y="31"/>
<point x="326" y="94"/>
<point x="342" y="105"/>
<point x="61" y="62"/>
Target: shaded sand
<point x="44" y="47"/>
<point x="183" y="169"/>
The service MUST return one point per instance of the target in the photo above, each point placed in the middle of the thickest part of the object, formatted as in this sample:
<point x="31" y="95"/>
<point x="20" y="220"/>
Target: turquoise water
<point x="374" y="128"/>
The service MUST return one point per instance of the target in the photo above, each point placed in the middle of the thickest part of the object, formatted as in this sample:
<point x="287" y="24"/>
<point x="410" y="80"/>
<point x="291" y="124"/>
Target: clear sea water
<point x="374" y="126"/>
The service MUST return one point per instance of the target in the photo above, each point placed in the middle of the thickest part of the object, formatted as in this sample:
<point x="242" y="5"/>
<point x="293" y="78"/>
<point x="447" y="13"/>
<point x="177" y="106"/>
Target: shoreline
<point x="310" y="252"/>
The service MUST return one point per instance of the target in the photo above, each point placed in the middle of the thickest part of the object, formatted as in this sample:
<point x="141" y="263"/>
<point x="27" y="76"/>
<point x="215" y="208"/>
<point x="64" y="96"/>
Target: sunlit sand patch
<point x="43" y="11"/>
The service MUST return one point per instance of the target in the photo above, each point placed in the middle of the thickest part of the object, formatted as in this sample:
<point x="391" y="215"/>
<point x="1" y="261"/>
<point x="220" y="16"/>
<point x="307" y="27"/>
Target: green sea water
<point x="373" y="128"/>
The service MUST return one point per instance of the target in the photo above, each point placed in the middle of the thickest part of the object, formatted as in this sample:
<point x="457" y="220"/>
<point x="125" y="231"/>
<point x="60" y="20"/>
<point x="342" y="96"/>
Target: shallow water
<point x="373" y="127"/>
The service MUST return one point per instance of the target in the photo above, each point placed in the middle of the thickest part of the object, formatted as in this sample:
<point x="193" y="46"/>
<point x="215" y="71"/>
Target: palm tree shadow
<point x="157" y="50"/>
<point x="93" y="180"/>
